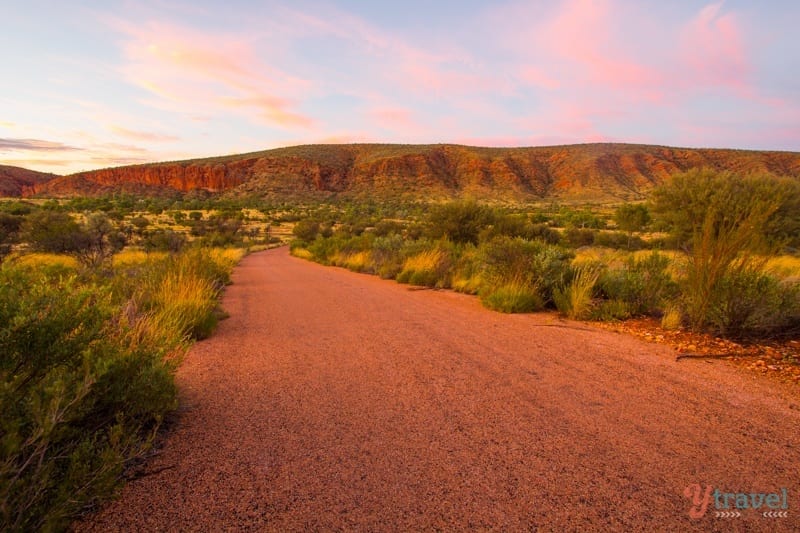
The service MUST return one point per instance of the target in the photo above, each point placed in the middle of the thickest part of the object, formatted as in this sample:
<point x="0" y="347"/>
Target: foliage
<point x="535" y="264"/>
<point x="747" y="302"/>
<point x="92" y="242"/>
<point x="632" y="217"/>
<point x="306" y="230"/>
<point x="726" y="222"/>
<point x="512" y="297"/>
<point x="459" y="222"/>
<point x="574" y="299"/>
<point x="642" y="283"/>
<point x="86" y="374"/>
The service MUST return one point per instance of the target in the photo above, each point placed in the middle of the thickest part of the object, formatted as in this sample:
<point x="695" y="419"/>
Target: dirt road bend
<point x="331" y="400"/>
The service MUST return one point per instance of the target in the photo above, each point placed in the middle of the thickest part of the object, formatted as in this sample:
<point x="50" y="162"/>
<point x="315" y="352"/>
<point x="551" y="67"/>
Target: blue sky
<point x="97" y="84"/>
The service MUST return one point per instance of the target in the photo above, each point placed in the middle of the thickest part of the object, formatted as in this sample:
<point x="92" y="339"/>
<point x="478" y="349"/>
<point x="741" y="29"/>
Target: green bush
<point x="459" y="222"/>
<point x="577" y="237"/>
<point x="749" y="302"/>
<point x="619" y="240"/>
<point x="387" y="255"/>
<point x="535" y="264"/>
<point x="78" y="398"/>
<point x="306" y="230"/>
<point x="643" y="284"/>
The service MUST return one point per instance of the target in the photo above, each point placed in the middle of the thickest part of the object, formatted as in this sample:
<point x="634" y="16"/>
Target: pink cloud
<point x="141" y="135"/>
<point x="713" y="47"/>
<point x="189" y="69"/>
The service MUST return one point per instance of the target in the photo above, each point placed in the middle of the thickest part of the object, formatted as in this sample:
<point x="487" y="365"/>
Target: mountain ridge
<point x="598" y="171"/>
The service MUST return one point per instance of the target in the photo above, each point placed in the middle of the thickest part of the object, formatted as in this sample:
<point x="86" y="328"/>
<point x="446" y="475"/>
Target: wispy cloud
<point x="190" y="69"/>
<point x="145" y="136"/>
<point x="35" y="145"/>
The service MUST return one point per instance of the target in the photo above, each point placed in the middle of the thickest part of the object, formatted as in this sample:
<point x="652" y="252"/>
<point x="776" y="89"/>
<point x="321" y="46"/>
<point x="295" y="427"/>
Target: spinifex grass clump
<point x="430" y="268"/>
<point x="574" y="299"/>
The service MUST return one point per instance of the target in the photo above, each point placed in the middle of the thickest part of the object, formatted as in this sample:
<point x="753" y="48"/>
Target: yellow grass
<point x="784" y="266"/>
<point x="302" y="253"/>
<point x="44" y="260"/>
<point x="135" y="257"/>
<point x="228" y="257"/>
<point x="468" y="285"/>
<point x="358" y="261"/>
<point x="426" y="261"/>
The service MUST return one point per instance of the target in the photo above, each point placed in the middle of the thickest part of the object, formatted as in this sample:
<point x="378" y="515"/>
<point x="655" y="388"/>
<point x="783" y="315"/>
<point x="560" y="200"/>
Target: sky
<point x="94" y="84"/>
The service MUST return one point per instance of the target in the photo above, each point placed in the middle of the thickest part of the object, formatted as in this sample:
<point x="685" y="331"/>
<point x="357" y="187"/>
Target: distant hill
<point x="13" y="180"/>
<point x="600" y="172"/>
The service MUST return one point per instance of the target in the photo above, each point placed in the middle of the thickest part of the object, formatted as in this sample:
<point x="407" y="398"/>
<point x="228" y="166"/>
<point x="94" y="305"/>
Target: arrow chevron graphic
<point x="728" y="514"/>
<point x="776" y="514"/>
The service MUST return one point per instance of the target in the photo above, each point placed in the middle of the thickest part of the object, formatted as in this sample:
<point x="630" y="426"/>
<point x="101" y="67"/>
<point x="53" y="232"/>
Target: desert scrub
<point x="642" y="282"/>
<point x="574" y="299"/>
<point x="536" y="264"/>
<point x="86" y="374"/>
<point x="512" y="297"/>
<point x="430" y="267"/>
<point x="79" y="397"/>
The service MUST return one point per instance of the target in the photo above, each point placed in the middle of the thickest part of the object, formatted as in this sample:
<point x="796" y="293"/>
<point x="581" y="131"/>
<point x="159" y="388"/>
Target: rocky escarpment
<point x="13" y="180"/>
<point x="591" y="171"/>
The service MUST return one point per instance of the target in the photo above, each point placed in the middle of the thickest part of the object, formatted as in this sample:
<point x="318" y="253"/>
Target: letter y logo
<point x="700" y="501"/>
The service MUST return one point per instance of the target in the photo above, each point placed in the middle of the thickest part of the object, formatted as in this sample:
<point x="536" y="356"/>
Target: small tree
<point x="51" y="231"/>
<point x="460" y="222"/>
<point x="99" y="240"/>
<point x="92" y="242"/>
<point x="306" y="230"/>
<point x="727" y="226"/>
<point x="632" y="218"/>
<point x="9" y="227"/>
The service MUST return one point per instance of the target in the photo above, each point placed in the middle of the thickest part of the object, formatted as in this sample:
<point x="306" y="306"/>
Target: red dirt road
<point x="338" y="401"/>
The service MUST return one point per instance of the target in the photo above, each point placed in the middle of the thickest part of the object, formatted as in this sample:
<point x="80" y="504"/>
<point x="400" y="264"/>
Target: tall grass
<point x="575" y="298"/>
<point x="429" y="268"/>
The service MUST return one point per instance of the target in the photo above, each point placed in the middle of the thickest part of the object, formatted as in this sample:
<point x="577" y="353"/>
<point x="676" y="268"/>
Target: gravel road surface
<point x="331" y="400"/>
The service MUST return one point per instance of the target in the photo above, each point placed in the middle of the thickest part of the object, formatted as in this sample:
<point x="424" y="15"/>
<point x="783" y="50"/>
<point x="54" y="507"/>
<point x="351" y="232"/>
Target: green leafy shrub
<point x="78" y="398"/>
<point x="619" y="240"/>
<point x="577" y="237"/>
<point x="749" y="302"/>
<point x="727" y="223"/>
<point x="459" y="222"/>
<point x="643" y="284"/>
<point x="306" y="230"/>
<point x="536" y="264"/>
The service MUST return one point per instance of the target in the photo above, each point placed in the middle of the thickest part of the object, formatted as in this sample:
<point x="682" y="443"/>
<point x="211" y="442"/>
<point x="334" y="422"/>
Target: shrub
<point x="430" y="268"/>
<point x="632" y="217"/>
<point x="750" y="302"/>
<point x="79" y="395"/>
<point x="459" y="222"/>
<point x="725" y="221"/>
<point x="574" y="299"/>
<point x="642" y="283"/>
<point x="617" y="239"/>
<point x="387" y="256"/>
<point x="512" y="298"/>
<point x="533" y="263"/>
<point x="306" y="230"/>
<point x="578" y="237"/>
